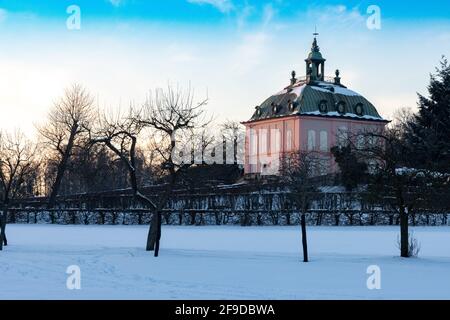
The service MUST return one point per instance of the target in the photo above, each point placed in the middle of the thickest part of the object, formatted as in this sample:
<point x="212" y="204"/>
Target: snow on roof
<point x="303" y="98"/>
<point x="325" y="87"/>
<point x="337" y="114"/>
<point x="298" y="90"/>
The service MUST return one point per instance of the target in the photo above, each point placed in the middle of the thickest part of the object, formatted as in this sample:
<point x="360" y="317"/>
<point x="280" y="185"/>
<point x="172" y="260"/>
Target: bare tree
<point x="234" y="132"/>
<point x="170" y="114"/>
<point x="402" y="120"/>
<point x="120" y="134"/>
<point x="204" y="145"/>
<point x="393" y="182"/>
<point x="69" y="119"/>
<point x="16" y="167"/>
<point x="300" y="172"/>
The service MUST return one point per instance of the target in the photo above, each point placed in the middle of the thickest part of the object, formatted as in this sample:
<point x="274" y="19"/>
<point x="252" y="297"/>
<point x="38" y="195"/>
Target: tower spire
<point x="315" y="47"/>
<point x="315" y="63"/>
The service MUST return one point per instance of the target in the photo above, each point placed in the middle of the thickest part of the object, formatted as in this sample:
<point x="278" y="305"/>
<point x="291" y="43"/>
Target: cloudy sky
<point x="236" y="52"/>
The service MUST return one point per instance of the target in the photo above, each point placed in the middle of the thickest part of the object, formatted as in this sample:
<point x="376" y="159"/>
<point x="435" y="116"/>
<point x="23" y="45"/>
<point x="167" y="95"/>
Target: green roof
<point x="324" y="99"/>
<point x="317" y="96"/>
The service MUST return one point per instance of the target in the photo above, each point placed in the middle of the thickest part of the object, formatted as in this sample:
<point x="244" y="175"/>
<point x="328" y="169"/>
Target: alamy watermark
<point x="73" y="281"/>
<point x="374" y="279"/>
<point x="374" y="20"/>
<point x="263" y="146"/>
<point x="73" y="22"/>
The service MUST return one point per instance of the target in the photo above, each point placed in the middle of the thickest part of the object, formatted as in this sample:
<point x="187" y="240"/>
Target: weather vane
<point x="315" y="31"/>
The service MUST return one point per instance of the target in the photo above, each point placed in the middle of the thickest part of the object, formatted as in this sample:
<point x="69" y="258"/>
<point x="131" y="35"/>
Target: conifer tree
<point x="429" y="131"/>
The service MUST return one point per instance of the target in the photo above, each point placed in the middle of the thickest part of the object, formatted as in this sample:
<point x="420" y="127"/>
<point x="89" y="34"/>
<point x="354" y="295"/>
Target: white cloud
<point x="240" y="69"/>
<point x="243" y="15"/>
<point x="177" y="53"/>
<point x="224" y="6"/>
<point x="336" y="15"/>
<point x="116" y="3"/>
<point x="3" y="14"/>
<point x="250" y="52"/>
<point x="268" y="13"/>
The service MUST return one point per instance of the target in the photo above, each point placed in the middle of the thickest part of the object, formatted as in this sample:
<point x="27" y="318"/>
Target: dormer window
<point x="359" y="109"/>
<point x="323" y="106"/>
<point x="341" y="107"/>
<point x="275" y="108"/>
<point x="258" y="111"/>
<point x="292" y="105"/>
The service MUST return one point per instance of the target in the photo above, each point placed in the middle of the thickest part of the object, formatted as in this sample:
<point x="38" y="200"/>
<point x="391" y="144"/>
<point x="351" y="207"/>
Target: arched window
<point x="253" y="142"/>
<point x="311" y="140"/>
<point x="323" y="141"/>
<point x="263" y="143"/>
<point x="289" y="140"/>
<point x="275" y="140"/>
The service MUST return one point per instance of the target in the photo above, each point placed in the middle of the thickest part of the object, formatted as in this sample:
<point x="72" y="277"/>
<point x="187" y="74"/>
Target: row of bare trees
<point x="381" y="162"/>
<point x="17" y="167"/>
<point x="142" y="145"/>
<point x="375" y="167"/>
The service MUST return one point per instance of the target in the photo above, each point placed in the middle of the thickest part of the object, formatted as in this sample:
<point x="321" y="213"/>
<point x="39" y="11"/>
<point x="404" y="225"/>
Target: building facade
<point x="313" y="113"/>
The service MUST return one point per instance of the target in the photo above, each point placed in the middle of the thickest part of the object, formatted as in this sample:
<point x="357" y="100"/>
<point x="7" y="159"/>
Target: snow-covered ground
<point x="221" y="263"/>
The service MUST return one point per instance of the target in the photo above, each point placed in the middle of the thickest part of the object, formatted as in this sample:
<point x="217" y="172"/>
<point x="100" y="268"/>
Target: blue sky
<point x="212" y="11"/>
<point x="237" y="52"/>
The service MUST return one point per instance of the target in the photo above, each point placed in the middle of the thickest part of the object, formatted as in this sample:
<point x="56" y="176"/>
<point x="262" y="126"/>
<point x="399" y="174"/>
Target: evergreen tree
<point x="351" y="170"/>
<point x="429" y="131"/>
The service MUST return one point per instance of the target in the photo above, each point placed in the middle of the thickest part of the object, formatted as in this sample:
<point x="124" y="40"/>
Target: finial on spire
<point x="315" y="47"/>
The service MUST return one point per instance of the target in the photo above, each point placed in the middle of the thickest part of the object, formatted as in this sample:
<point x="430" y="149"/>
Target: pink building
<point x="313" y="113"/>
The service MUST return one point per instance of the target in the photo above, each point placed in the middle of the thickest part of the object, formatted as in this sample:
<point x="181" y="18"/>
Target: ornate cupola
<point x="317" y="96"/>
<point x="315" y="63"/>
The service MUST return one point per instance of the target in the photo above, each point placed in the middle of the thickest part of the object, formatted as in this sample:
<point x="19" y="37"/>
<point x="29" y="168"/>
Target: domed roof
<point x="320" y="98"/>
<point x="315" y="55"/>
<point x="316" y="95"/>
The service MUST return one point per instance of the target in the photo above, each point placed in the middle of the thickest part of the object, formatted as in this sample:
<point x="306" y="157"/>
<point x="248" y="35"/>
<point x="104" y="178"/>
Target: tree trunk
<point x="62" y="167"/>
<point x="152" y="233"/>
<point x="158" y="233"/>
<point x="336" y="219"/>
<point x="3" y="239"/>
<point x="350" y="216"/>
<point x="288" y="219"/>
<point x="391" y="220"/>
<point x="404" y="234"/>
<point x="13" y="217"/>
<point x="319" y="219"/>
<point x="304" y="239"/>
<point x="1" y="231"/>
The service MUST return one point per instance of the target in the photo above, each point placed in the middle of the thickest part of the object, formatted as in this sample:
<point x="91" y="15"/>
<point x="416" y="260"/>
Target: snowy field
<point x="221" y="263"/>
